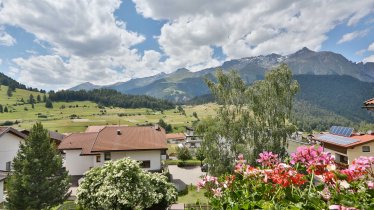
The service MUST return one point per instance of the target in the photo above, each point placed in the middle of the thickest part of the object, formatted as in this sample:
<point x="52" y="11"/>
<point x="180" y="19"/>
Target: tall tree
<point x="38" y="98"/>
<point x="9" y="92"/>
<point x="48" y="103"/>
<point x="44" y="98"/>
<point x="31" y="99"/>
<point x="1" y="108"/>
<point x="38" y="180"/>
<point x="5" y="109"/>
<point x="250" y="119"/>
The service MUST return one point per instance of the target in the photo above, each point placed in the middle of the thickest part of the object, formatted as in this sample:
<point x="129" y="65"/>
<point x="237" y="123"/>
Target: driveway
<point x="185" y="176"/>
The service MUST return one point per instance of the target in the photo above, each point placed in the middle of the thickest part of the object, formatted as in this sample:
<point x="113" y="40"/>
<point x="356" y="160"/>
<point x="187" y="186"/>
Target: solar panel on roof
<point x="341" y="131"/>
<point x="337" y="139"/>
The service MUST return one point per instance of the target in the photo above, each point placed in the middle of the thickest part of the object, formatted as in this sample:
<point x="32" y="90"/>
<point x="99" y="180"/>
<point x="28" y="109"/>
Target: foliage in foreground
<point x="305" y="182"/>
<point x="122" y="184"/>
<point x="38" y="180"/>
<point x="250" y="119"/>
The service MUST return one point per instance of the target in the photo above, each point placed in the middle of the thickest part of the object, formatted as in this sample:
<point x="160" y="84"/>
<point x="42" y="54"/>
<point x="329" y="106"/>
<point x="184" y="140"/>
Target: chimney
<point x="157" y="127"/>
<point x="118" y="132"/>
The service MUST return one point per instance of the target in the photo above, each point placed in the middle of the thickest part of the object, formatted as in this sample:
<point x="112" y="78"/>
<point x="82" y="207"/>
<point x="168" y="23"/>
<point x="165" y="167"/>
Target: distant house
<point x="346" y="145"/>
<point x="369" y="104"/>
<point x="192" y="140"/>
<point x="83" y="151"/>
<point x="175" y="138"/>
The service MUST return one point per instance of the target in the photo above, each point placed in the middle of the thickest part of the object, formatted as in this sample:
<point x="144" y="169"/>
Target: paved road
<point x="185" y="176"/>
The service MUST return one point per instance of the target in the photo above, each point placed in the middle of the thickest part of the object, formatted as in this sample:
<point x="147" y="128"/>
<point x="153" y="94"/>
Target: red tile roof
<point x="107" y="139"/>
<point x="177" y="136"/>
<point x="81" y="141"/>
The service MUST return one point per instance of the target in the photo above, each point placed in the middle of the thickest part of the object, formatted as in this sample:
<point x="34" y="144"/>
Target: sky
<point x="55" y="45"/>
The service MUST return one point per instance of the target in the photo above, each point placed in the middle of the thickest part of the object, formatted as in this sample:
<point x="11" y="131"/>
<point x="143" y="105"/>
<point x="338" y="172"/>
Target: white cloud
<point x="353" y="35"/>
<point x="368" y="59"/>
<point x="371" y="47"/>
<point x="245" y="28"/>
<point x="1" y="61"/>
<point x="5" y="38"/>
<point x="86" y="42"/>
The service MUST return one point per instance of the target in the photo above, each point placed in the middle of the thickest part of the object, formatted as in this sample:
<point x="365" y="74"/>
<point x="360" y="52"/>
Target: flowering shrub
<point x="122" y="184"/>
<point x="306" y="181"/>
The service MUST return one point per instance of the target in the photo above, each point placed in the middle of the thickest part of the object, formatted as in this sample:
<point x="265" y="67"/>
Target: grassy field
<point x="88" y="113"/>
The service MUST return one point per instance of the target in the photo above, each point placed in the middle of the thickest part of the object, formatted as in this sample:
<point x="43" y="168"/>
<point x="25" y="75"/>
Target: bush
<point x="7" y="123"/>
<point x="122" y="184"/>
<point x="42" y="116"/>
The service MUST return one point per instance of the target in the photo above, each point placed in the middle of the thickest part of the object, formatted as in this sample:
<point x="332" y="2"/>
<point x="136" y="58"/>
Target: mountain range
<point x="332" y="88"/>
<point x="183" y="85"/>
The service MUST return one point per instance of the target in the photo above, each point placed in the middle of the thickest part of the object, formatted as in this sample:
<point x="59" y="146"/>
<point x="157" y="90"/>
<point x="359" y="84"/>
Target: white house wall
<point x="1" y="191"/>
<point x="152" y="155"/>
<point x="77" y="164"/>
<point x="9" y="145"/>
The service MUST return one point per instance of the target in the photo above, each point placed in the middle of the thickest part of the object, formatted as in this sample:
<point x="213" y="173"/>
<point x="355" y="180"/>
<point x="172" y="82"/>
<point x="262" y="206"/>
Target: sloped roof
<point x="107" y="139"/>
<point x="4" y="129"/>
<point x="131" y="138"/>
<point x="178" y="136"/>
<point x="81" y="141"/>
<point x="355" y="139"/>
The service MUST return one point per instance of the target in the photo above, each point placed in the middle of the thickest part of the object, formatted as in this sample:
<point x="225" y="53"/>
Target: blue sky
<point x="53" y="45"/>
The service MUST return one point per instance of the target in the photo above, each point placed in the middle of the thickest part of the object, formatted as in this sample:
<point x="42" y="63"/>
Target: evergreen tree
<point x="38" y="180"/>
<point x="44" y="98"/>
<point x="32" y="106"/>
<point x="1" y="108"/>
<point x="9" y="92"/>
<point x="38" y="99"/>
<point x="5" y="109"/>
<point x="31" y="99"/>
<point x="48" y="103"/>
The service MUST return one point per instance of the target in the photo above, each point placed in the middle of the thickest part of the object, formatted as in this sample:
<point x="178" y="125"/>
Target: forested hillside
<point x="114" y="98"/>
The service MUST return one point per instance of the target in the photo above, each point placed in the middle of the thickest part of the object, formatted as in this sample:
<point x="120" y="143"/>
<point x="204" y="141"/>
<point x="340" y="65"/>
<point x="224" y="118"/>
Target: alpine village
<point x="199" y="105"/>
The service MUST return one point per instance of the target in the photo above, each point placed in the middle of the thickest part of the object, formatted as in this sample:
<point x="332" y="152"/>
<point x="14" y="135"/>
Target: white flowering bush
<point x="122" y="184"/>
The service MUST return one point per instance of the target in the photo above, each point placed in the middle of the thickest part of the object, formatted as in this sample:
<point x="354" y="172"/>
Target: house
<point x="344" y="144"/>
<point x="83" y="151"/>
<point x="192" y="140"/>
<point x="369" y="104"/>
<point x="296" y="140"/>
<point x="54" y="135"/>
<point x="175" y="138"/>
<point x="10" y="139"/>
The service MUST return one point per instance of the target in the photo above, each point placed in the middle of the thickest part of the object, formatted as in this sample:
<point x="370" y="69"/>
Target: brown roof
<point x="81" y="141"/>
<point x="362" y="139"/>
<point x="177" y="136"/>
<point x="4" y="130"/>
<point x="57" y="137"/>
<point x="130" y="138"/>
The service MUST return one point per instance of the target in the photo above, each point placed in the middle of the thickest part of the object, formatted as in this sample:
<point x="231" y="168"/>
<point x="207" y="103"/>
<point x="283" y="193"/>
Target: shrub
<point x="122" y="184"/>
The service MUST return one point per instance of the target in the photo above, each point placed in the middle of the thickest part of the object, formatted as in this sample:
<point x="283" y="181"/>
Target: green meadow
<point x="67" y="117"/>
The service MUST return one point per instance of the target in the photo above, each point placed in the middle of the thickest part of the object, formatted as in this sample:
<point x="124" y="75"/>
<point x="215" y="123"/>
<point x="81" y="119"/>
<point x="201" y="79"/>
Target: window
<point x="145" y="163"/>
<point x="8" y="166"/>
<point x="107" y="156"/>
<point x="365" y="148"/>
<point x="98" y="158"/>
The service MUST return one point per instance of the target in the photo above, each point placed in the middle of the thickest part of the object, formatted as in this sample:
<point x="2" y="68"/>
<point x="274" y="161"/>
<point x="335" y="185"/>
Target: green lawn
<point x="58" y="118"/>
<point x="193" y="196"/>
